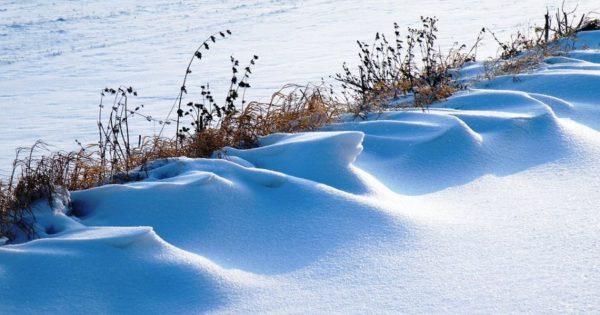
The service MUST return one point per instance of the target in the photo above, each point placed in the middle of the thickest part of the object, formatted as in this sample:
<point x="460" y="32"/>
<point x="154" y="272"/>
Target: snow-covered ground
<point x="488" y="203"/>
<point x="55" y="56"/>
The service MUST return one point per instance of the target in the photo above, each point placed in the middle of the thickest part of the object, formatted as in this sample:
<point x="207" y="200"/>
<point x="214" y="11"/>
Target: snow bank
<point x="485" y="203"/>
<point x="244" y="218"/>
<point x="471" y="134"/>
<point x="106" y="270"/>
<point x="331" y="153"/>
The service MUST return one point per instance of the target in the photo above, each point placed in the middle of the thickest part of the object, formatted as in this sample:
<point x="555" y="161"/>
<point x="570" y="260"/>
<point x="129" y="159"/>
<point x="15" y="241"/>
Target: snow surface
<point x="55" y="56"/>
<point x="486" y="203"/>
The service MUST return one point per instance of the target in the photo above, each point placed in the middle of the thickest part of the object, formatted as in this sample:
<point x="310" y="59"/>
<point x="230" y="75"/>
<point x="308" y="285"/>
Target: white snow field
<point x="56" y="56"/>
<point x="487" y="203"/>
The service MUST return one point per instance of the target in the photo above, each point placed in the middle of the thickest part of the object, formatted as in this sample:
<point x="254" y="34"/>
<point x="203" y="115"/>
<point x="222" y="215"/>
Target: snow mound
<point x="395" y="143"/>
<point x="471" y="134"/>
<point x="332" y="153"/>
<point x="245" y="218"/>
<point x="106" y="270"/>
<point x="588" y="40"/>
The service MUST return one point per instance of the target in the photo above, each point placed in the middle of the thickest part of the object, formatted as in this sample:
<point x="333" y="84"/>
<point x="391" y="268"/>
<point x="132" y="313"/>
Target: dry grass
<point x="525" y="51"/>
<point x="294" y="108"/>
<point x="410" y="68"/>
<point x="32" y="179"/>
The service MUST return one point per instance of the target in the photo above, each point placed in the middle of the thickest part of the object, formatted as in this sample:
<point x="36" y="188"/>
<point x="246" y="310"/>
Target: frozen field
<point x="55" y="56"/>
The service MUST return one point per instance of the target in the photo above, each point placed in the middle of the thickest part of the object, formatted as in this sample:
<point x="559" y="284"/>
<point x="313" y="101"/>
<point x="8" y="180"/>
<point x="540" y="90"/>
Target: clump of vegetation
<point x="114" y="137"/>
<point x="525" y="51"/>
<point x="32" y="179"/>
<point x="411" y="68"/>
<point x="294" y="108"/>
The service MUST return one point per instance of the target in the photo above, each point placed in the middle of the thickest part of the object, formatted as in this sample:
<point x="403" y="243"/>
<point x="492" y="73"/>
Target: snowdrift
<point x="487" y="202"/>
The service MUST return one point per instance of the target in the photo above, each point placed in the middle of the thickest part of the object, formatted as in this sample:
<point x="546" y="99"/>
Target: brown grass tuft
<point x="410" y="71"/>
<point x="524" y="51"/>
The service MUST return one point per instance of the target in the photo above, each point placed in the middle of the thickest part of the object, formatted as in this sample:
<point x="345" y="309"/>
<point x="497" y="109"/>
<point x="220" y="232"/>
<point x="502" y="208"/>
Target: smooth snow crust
<point x="486" y="203"/>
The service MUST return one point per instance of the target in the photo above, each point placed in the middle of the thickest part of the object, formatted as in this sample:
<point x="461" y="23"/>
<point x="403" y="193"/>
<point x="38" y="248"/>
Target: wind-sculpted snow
<point x="300" y="154"/>
<point x="484" y="203"/>
<point x="107" y="270"/>
<point x="244" y="218"/>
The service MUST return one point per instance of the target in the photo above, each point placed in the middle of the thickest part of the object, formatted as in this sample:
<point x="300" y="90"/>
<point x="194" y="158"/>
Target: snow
<point x="331" y="153"/>
<point x="100" y="270"/>
<point x="55" y="56"/>
<point x="485" y="203"/>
